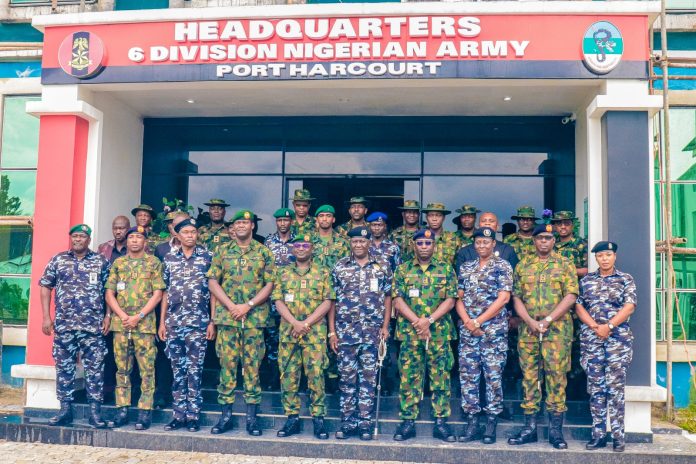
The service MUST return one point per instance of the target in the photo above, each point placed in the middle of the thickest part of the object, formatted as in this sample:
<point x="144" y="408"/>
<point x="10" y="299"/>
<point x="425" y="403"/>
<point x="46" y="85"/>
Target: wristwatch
<point x="610" y="325"/>
<point x="251" y="303"/>
<point x="141" y="315"/>
<point x="548" y="319"/>
<point x="331" y="334"/>
<point x="431" y="319"/>
<point x="476" y="323"/>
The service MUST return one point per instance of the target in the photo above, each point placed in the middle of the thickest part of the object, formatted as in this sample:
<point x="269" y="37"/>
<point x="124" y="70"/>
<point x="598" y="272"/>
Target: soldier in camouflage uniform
<point x="522" y="240"/>
<point x="380" y="244"/>
<point x="569" y="246"/>
<point x="484" y="287"/>
<point x="545" y="289"/>
<point x="424" y="292"/>
<point x="607" y="300"/>
<point x="144" y="216"/>
<point x="328" y="245"/>
<point x="280" y="245"/>
<point x="446" y="243"/>
<point x="133" y="291"/>
<point x="185" y="323"/>
<point x="357" y="209"/>
<point x="466" y="223"/>
<point x="303" y="223"/>
<point x="214" y="234"/>
<point x="402" y="235"/>
<point x="241" y="280"/>
<point x="302" y="293"/>
<point x="362" y="282"/>
<point x="78" y="277"/>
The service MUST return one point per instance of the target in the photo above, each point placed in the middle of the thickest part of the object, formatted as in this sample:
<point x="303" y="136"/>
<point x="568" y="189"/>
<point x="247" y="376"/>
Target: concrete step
<point x="421" y="449"/>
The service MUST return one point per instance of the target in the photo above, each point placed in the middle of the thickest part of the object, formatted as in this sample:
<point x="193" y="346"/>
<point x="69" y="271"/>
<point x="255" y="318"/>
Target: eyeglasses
<point x="544" y="237"/>
<point x="304" y="245"/>
<point x="424" y="242"/>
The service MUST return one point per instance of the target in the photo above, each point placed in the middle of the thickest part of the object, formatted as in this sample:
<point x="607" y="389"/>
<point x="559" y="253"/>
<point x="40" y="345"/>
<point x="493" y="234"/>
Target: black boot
<point x="64" y="416"/>
<point x="291" y="426"/>
<point x="406" y="430"/>
<point x="193" y="425"/>
<point x="471" y="430"/>
<point x="120" y="419"/>
<point x="619" y="445"/>
<point x="556" y="431"/>
<point x="144" y="419"/>
<point x="95" y="419"/>
<point x="252" y="424"/>
<point x="175" y="424"/>
<point x="319" y="428"/>
<point x="225" y="422"/>
<point x="489" y="434"/>
<point x="528" y="434"/>
<point x="597" y="442"/>
<point x="366" y="432"/>
<point x="346" y="431"/>
<point x="443" y="431"/>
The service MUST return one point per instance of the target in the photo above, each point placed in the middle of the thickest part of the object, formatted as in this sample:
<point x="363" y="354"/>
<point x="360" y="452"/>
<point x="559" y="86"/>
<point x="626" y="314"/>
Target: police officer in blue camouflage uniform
<point x="362" y="282"/>
<point x="280" y="244"/>
<point x="185" y="323"/>
<point x="607" y="300"/>
<point x="380" y="244"/>
<point x="78" y="277"/>
<point x="484" y="287"/>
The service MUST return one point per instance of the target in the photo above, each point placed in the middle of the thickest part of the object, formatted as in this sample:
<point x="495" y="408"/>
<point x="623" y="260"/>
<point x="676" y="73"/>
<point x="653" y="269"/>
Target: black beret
<point x="542" y="229"/>
<point x="184" y="223"/>
<point x="362" y="232"/>
<point x="485" y="232"/>
<point x="604" y="246"/>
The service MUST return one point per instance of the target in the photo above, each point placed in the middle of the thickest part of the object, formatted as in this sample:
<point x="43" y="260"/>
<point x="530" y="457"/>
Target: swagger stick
<point x="381" y="355"/>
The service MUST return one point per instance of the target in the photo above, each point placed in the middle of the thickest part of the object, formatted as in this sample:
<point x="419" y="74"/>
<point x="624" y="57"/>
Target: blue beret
<point x="184" y="223"/>
<point x="362" y="232"/>
<point x="485" y="232"/>
<point x="542" y="229"/>
<point x="424" y="233"/>
<point x="377" y="217"/>
<point x="137" y="230"/>
<point x="604" y="246"/>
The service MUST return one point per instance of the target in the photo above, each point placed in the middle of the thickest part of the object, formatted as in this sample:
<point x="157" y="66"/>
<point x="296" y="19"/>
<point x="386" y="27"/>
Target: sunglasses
<point x="305" y="246"/>
<point x="544" y="237"/>
<point x="424" y="242"/>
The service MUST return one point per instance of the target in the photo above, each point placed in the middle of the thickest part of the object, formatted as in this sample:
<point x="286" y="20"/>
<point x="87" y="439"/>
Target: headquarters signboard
<point x="424" y="46"/>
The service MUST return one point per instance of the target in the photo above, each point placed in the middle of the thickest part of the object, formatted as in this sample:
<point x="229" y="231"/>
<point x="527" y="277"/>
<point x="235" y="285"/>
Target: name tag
<point x="93" y="278"/>
<point x="121" y="286"/>
<point x="374" y="285"/>
<point x="216" y="239"/>
<point x="303" y="284"/>
<point x="289" y="297"/>
<point x="473" y="280"/>
<point x="413" y="293"/>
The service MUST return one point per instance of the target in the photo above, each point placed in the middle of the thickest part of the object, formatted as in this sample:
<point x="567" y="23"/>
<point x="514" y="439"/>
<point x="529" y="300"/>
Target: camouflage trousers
<point x="233" y="346"/>
<point x="140" y="346"/>
<point x="186" y="350"/>
<point x="414" y="362"/>
<point x="487" y="353"/>
<point x="292" y="359"/>
<point x="605" y="363"/>
<point x="555" y="360"/>
<point x="271" y="336"/>
<point x="357" y="367"/>
<point x="92" y="350"/>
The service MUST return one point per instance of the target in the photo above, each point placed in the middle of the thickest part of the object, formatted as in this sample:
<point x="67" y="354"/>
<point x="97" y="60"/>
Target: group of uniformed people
<point x="321" y="299"/>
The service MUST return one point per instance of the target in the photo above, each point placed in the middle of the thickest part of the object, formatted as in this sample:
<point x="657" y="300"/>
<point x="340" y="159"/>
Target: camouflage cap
<point x="437" y="207"/>
<point x="358" y="201"/>
<point x="302" y="195"/>
<point x="284" y="213"/>
<point x="525" y="212"/>
<point x="171" y="215"/>
<point x="242" y="214"/>
<point x="82" y="228"/>
<point x="467" y="209"/>
<point x="562" y="216"/>
<point x="143" y="207"/>
<point x="217" y="202"/>
<point x="411" y="205"/>
<point x="325" y="209"/>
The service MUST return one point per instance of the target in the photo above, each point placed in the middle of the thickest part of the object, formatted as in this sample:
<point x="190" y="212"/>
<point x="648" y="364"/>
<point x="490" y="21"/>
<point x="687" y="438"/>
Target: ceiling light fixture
<point x="507" y="99"/>
<point x="190" y="100"/>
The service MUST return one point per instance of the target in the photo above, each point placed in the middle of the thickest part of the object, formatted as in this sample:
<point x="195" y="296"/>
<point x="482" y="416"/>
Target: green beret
<point x="325" y="209"/>
<point x="302" y="239"/>
<point x="243" y="214"/>
<point x="83" y="228"/>
<point x="284" y="213"/>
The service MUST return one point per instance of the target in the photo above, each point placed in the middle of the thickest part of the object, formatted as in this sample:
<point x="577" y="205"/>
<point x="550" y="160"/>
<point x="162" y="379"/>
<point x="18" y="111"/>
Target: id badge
<point x="121" y="286"/>
<point x="542" y="278"/>
<point x="473" y="280"/>
<point x="93" y="278"/>
<point x="216" y="239"/>
<point x="303" y="284"/>
<point x="374" y="285"/>
<point x="187" y="272"/>
<point x="289" y="297"/>
<point x="413" y="293"/>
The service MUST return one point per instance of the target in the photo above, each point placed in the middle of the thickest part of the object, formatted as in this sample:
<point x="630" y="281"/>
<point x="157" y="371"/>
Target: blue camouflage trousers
<point x="92" y="350"/>
<point x="186" y="350"/>
<point x="357" y="368"/>
<point x="487" y="353"/>
<point x="605" y="362"/>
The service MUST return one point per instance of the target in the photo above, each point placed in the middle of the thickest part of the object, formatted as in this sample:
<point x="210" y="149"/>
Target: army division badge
<point x="602" y="47"/>
<point x="81" y="54"/>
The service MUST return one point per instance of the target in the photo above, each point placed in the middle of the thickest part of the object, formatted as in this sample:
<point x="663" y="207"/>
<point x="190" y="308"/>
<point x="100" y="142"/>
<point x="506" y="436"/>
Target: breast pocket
<point x="440" y="287"/>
